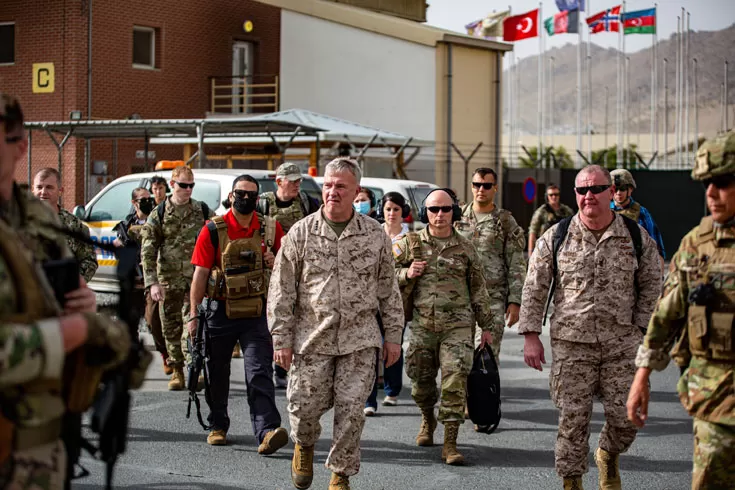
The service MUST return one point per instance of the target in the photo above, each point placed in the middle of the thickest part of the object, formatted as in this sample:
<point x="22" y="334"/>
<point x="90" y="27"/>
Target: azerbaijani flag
<point x="640" y="22"/>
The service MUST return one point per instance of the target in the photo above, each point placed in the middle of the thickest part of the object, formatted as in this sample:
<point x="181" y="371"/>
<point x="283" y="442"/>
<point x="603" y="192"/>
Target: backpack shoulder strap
<point x="217" y="229"/>
<point x="205" y="210"/>
<point x="635" y="235"/>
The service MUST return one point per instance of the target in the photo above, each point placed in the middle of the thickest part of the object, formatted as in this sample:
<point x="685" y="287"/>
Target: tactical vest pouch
<point x="244" y="308"/>
<point x="216" y="284"/>
<point x="698" y="330"/>
<point x="721" y="336"/>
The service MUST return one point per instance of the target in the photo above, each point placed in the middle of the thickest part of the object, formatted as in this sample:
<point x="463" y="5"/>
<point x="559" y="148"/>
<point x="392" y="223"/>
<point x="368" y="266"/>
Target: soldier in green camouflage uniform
<point x="547" y="215"/>
<point x="47" y="187"/>
<point x="500" y="243"/>
<point x="169" y="237"/>
<point x="449" y="297"/>
<point x="695" y="316"/>
<point x="34" y="337"/>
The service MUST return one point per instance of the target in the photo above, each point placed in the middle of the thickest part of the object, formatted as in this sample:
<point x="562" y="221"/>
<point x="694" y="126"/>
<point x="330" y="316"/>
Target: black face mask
<point x="147" y="205"/>
<point x="244" y="205"/>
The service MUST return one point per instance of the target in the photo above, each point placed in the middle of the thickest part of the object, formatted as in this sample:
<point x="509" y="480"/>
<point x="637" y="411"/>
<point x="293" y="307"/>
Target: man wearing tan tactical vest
<point x="233" y="257"/>
<point x="694" y="315"/>
<point x="287" y="205"/>
<point x="35" y="335"/>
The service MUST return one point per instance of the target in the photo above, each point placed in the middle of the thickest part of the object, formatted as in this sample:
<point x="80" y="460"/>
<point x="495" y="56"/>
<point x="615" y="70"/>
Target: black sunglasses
<point x="184" y="185"/>
<point x="443" y="209"/>
<point x="720" y="182"/>
<point x="594" y="189"/>
<point x="242" y="194"/>
<point x="554" y="194"/>
<point x="485" y="185"/>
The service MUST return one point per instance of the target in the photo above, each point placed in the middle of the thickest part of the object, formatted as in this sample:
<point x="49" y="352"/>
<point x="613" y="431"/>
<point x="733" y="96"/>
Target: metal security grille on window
<point x="7" y="43"/>
<point x="144" y="47"/>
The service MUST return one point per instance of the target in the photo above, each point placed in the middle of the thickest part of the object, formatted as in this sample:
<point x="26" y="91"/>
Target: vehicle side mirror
<point x="79" y="212"/>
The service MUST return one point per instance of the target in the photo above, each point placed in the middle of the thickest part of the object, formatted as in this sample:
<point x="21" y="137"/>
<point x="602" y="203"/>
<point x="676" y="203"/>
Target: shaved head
<point x="439" y="198"/>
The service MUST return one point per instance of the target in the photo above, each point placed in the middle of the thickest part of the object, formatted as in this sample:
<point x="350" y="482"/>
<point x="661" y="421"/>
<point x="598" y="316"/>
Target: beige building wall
<point x="474" y="114"/>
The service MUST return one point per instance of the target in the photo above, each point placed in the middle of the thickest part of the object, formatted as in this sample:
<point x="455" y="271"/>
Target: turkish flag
<point x="521" y="27"/>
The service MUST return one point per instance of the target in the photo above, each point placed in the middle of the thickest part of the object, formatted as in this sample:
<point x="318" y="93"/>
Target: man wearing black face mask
<point x="238" y="249"/>
<point x="128" y="234"/>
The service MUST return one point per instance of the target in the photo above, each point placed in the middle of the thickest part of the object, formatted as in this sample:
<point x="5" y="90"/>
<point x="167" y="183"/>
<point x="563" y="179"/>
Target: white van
<point x="112" y="205"/>
<point x="413" y="190"/>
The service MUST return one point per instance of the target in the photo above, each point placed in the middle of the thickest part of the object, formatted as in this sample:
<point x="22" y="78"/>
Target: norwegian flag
<point x="606" y="21"/>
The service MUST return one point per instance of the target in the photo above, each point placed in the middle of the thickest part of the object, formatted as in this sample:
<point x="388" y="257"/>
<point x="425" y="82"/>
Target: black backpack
<point x="561" y="233"/>
<point x="483" y="391"/>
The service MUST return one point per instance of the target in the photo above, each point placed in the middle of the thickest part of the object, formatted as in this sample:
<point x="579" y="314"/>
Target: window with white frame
<point x="7" y="43"/>
<point x="144" y="47"/>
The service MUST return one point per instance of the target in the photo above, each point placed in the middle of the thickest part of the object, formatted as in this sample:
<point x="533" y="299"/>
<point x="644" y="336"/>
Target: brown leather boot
<point x="167" y="370"/>
<point x="177" y="381"/>
<point x="302" y="466"/>
<point x="450" y="455"/>
<point x="273" y="441"/>
<point x="425" y="436"/>
<point x="339" y="482"/>
<point x="573" y="483"/>
<point x="607" y="463"/>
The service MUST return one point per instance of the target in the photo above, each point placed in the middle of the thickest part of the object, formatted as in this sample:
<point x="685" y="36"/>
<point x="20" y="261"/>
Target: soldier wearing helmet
<point x="624" y="204"/>
<point x="693" y="323"/>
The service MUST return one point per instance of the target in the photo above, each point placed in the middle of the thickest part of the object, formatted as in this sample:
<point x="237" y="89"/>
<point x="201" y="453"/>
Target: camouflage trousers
<point x="451" y="351"/>
<point x="714" y="460"/>
<point x="174" y="305"/>
<point x="40" y="468"/>
<point x="497" y="305"/>
<point x="579" y="373"/>
<point x="317" y="383"/>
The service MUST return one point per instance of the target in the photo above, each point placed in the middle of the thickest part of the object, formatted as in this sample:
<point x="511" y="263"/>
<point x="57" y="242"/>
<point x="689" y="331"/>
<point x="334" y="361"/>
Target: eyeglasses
<point x="554" y="194"/>
<point x="184" y="185"/>
<point x="436" y="209"/>
<point x="720" y="182"/>
<point x="485" y="185"/>
<point x="594" y="189"/>
<point x="242" y="194"/>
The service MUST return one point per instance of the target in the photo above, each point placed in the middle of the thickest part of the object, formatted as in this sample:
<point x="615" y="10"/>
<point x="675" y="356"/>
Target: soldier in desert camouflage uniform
<point x="695" y="315"/>
<point x="604" y="296"/>
<point x="449" y="297"/>
<point x="332" y="274"/>
<point x="34" y="336"/>
<point x="500" y="243"/>
<point x="169" y="237"/>
<point x="47" y="187"/>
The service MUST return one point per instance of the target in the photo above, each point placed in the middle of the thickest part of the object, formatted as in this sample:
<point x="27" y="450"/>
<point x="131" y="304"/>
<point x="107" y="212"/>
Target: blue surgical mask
<point x="362" y="207"/>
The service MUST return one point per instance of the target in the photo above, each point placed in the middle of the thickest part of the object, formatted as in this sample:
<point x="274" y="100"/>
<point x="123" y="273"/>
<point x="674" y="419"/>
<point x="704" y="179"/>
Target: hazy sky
<point x="706" y="15"/>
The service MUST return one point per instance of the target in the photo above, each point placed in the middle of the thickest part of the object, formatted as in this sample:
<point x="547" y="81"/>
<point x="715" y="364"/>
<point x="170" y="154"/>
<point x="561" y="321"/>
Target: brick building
<point x="188" y="41"/>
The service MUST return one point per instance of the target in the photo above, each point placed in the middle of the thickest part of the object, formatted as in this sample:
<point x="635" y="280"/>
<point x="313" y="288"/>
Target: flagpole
<point x="511" y="106"/>
<point x="579" y="94"/>
<point x="655" y="76"/>
<point x="624" y="84"/>
<point x="666" y="113"/>
<point x="540" y="82"/>
<point x="726" y="99"/>
<point x="696" y="110"/>
<point x="626" y="98"/>
<point x="653" y="83"/>
<point x="687" y="158"/>
<point x="678" y="90"/>
<point x="589" y="82"/>
<point x="550" y="120"/>
<point x="618" y="78"/>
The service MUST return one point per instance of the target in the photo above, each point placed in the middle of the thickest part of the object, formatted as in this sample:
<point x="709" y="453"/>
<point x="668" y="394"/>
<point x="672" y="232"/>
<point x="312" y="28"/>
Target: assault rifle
<point x="111" y="407"/>
<point x="198" y="351"/>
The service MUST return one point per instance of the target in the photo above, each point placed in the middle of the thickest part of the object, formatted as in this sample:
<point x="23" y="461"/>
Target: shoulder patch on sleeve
<point x="397" y="250"/>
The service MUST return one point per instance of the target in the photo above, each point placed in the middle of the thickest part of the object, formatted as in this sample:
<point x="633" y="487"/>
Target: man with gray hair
<point x="333" y="273"/>
<point x="604" y="275"/>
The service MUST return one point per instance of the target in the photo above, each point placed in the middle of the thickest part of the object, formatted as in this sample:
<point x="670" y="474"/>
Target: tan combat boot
<point x="573" y="483"/>
<point x="302" y="466"/>
<point x="177" y="382"/>
<point x="428" y="426"/>
<point x="607" y="463"/>
<point x="450" y="455"/>
<point x="339" y="482"/>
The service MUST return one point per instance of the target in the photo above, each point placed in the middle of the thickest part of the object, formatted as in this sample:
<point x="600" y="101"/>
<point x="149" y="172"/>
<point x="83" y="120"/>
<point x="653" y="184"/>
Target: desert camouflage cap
<point x="621" y="176"/>
<point x="289" y="171"/>
<point x="715" y="157"/>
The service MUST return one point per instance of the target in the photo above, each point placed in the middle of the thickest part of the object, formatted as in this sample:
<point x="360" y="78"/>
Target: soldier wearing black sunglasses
<point x="603" y="294"/>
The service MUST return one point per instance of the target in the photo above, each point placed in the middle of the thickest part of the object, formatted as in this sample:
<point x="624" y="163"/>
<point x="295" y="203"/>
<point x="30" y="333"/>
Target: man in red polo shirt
<point x="233" y="257"/>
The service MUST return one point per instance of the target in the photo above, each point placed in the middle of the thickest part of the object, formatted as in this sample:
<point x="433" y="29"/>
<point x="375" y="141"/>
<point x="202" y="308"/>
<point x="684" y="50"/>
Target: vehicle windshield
<point x="418" y="194"/>
<point x="207" y="191"/>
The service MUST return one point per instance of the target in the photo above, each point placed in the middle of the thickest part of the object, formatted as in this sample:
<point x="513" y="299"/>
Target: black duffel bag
<point x="483" y="391"/>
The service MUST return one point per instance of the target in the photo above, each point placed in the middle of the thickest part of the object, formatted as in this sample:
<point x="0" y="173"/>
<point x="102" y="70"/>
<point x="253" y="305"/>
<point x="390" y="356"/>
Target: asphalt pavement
<point x="168" y="451"/>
